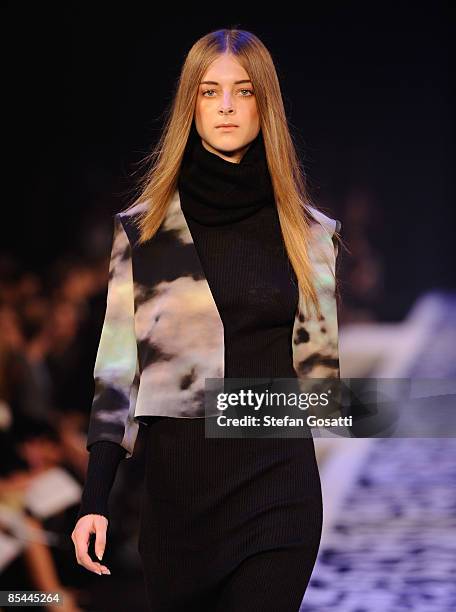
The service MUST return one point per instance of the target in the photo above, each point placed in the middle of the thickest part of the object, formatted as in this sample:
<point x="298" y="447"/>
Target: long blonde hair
<point x="291" y="196"/>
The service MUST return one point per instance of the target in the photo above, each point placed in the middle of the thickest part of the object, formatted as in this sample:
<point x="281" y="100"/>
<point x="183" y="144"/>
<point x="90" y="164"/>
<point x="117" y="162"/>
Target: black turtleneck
<point x="232" y="216"/>
<point x="215" y="191"/>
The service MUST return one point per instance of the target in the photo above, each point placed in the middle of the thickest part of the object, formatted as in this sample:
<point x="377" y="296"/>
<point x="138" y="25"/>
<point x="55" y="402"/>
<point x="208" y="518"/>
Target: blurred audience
<point x="361" y="275"/>
<point x="50" y="329"/>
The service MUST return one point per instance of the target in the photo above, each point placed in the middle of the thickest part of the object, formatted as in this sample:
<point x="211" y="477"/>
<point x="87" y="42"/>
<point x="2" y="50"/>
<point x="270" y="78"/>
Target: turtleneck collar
<point x="214" y="191"/>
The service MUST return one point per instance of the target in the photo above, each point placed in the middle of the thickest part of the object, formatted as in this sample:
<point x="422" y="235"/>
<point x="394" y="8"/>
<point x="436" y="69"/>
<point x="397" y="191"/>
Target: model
<point x="221" y="269"/>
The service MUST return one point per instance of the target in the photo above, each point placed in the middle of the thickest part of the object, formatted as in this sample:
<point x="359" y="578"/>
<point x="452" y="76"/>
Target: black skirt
<point x="227" y="523"/>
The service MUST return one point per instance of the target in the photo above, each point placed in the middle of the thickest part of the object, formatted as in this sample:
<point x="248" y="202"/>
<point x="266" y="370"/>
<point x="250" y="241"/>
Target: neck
<point x="215" y="191"/>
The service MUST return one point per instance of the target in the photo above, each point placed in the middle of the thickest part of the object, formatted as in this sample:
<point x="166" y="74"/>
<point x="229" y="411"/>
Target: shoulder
<point x="127" y="220"/>
<point x="328" y="223"/>
<point x="132" y="212"/>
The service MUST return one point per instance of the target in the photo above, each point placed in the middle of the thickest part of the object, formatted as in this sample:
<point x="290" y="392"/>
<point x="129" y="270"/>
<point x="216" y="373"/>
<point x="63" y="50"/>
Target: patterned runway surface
<point x="389" y="544"/>
<point x="393" y="545"/>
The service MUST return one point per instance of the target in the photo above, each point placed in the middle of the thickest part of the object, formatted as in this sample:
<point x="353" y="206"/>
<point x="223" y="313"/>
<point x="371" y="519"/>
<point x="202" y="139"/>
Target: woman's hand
<point x="86" y="525"/>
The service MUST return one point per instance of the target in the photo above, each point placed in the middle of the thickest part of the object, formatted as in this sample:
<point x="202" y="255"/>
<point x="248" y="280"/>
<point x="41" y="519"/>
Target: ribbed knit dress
<point x="228" y="524"/>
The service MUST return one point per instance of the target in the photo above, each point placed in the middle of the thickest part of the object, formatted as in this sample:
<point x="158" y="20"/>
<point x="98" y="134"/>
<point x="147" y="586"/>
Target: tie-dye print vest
<point x="163" y="336"/>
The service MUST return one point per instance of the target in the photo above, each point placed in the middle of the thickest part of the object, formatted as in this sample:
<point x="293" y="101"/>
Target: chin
<point x="227" y="148"/>
<point x="225" y="145"/>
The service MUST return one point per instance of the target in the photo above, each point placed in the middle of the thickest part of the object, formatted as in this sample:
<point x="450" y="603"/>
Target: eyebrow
<point x="215" y="82"/>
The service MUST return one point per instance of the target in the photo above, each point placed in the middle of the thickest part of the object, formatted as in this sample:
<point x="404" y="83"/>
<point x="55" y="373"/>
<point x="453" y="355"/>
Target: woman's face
<point x="222" y="99"/>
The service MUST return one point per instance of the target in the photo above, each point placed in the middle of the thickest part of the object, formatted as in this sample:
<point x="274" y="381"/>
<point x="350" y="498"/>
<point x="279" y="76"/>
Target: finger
<point x="100" y="539"/>
<point x="92" y="566"/>
<point x="82" y="555"/>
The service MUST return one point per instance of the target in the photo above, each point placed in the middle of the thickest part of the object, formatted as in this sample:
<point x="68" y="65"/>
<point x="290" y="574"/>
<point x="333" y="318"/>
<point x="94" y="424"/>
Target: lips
<point x="226" y="125"/>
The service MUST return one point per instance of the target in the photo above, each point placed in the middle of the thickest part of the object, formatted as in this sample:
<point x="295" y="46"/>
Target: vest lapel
<point x="178" y="326"/>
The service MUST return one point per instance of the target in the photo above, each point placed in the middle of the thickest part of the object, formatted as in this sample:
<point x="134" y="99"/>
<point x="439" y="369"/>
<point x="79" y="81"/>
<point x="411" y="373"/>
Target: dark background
<point x="367" y="91"/>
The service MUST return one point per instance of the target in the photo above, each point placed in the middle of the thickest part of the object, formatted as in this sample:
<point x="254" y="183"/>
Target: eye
<point x="206" y="91"/>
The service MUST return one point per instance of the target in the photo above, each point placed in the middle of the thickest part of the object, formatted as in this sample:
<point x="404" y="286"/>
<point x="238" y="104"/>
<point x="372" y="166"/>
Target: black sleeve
<point x="104" y="460"/>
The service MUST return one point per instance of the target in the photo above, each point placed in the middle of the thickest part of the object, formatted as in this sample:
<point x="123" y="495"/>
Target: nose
<point x="227" y="107"/>
<point x="226" y="111"/>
